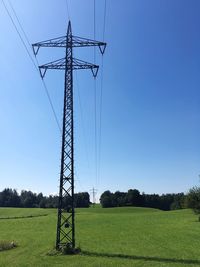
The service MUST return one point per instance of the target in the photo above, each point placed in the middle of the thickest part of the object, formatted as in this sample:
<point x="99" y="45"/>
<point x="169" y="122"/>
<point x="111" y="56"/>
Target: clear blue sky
<point x="151" y="97"/>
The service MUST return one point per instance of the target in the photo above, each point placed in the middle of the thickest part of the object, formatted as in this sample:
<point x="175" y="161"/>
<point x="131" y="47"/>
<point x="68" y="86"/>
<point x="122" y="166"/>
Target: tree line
<point x="27" y="199"/>
<point x="134" y="198"/>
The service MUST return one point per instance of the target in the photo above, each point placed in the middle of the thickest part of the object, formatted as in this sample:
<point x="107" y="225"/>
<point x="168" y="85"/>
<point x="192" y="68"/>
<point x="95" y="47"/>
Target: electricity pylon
<point x="66" y="214"/>
<point x="93" y="191"/>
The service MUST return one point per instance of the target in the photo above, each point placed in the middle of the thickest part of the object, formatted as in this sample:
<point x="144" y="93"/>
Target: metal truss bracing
<point x="66" y="212"/>
<point x="63" y="42"/>
<point x="60" y="64"/>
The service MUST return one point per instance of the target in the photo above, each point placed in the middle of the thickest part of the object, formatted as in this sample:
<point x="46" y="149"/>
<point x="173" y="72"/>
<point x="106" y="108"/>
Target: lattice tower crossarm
<point x="66" y="206"/>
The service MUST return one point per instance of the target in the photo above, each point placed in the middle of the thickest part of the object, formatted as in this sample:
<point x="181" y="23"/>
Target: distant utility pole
<point x="93" y="191"/>
<point x="66" y="216"/>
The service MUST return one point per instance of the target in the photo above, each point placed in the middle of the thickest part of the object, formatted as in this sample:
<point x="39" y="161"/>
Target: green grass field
<point x="108" y="237"/>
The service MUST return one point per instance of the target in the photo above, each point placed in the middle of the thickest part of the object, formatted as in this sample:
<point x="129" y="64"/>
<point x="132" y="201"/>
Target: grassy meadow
<point x="108" y="237"/>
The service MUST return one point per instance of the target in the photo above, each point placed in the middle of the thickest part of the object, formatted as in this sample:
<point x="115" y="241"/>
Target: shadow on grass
<point x="144" y="258"/>
<point x="22" y="217"/>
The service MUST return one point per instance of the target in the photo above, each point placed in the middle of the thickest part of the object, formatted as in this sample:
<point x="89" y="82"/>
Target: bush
<point x="107" y="199"/>
<point x="193" y="199"/>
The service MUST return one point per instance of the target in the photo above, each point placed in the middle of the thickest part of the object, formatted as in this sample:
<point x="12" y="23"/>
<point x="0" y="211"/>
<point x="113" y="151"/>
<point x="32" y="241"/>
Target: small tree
<point x="106" y="199"/>
<point x="133" y="198"/>
<point x="193" y="199"/>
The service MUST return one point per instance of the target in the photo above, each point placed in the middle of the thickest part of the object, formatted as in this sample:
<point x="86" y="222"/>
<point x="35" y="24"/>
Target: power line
<point x="68" y="14"/>
<point x="51" y="104"/>
<point x="82" y="120"/>
<point x="94" y="29"/>
<point x="19" y="34"/>
<point x="31" y="58"/>
<point x="95" y="126"/>
<point x="95" y="97"/>
<point x="104" y="19"/>
<point x="79" y="181"/>
<point x="20" y="25"/>
<point x="101" y="91"/>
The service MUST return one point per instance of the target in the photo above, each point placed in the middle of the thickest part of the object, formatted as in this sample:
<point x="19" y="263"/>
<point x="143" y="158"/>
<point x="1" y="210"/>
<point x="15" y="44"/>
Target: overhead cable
<point x="68" y="14"/>
<point x="29" y="55"/>
<point x="101" y="92"/>
<point x="95" y="96"/>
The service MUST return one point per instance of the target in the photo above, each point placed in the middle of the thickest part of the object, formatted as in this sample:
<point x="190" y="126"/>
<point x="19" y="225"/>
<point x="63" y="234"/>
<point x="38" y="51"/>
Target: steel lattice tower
<point x="66" y="213"/>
